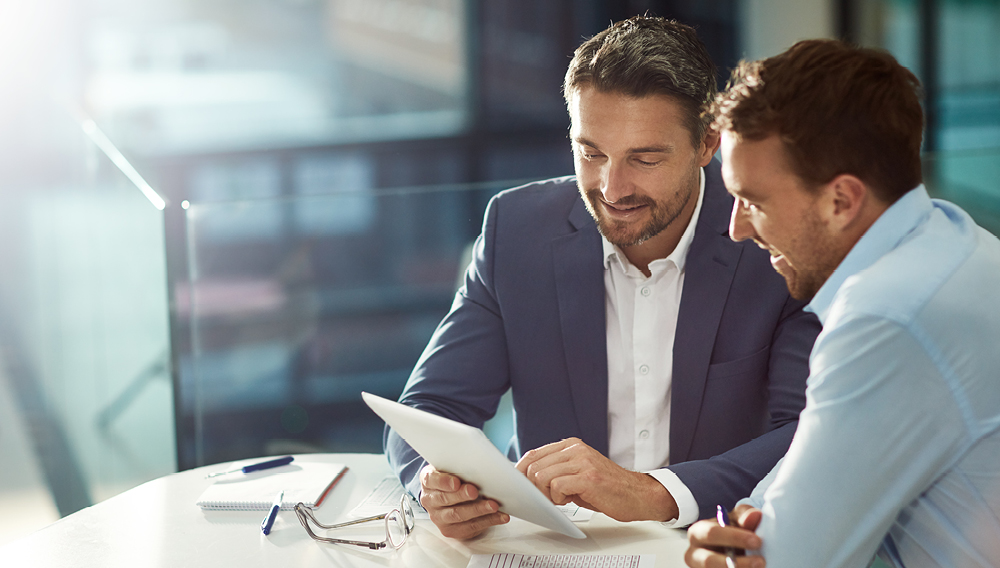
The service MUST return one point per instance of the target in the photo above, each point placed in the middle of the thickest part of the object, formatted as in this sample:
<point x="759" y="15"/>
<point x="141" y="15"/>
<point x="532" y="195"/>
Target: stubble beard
<point x="661" y="214"/>
<point x="820" y="261"/>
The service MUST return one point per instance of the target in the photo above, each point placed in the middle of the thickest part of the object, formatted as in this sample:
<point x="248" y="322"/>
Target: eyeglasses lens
<point x="395" y="527"/>
<point x="408" y="515"/>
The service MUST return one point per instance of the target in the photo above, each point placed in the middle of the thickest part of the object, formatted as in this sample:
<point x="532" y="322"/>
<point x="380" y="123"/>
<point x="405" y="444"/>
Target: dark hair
<point x="644" y="56"/>
<point x="837" y="108"/>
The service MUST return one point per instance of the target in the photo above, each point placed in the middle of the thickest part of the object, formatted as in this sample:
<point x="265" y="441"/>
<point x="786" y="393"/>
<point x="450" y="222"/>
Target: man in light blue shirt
<point x="897" y="452"/>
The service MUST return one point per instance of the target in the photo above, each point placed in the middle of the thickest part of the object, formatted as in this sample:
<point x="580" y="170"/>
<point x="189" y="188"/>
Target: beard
<point x="815" y="263"/>
<point x="804" y="284"/>
<point x="661" y="214"/>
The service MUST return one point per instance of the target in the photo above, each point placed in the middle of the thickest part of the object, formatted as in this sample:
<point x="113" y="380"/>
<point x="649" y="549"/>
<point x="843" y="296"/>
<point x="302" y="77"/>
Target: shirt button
<point x="645" y="291"/>
<point x="644" y="369"/>
<point x="644" y="434"/>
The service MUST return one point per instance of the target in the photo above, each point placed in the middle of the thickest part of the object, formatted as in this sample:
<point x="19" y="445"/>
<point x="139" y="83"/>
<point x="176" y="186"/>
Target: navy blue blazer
<point x="531" y="318"/>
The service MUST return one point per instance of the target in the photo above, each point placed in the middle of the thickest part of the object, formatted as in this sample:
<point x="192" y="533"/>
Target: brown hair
<point x="644" y="56"/>
<point x="837" y="108"/>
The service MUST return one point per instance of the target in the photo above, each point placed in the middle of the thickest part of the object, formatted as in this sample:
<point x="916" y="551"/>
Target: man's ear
<point x="709" y="146"/>
<point x="847" y="197"/>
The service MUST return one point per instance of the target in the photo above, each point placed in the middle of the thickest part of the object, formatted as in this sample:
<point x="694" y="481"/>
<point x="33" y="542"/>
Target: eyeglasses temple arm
<point x="305" y="524"/>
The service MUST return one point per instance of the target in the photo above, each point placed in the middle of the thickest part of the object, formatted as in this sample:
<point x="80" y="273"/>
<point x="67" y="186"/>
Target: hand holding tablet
<point x="466" y="452"/>
<point x="456" y="507"/>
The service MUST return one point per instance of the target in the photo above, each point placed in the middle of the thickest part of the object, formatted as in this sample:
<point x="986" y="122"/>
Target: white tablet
<point x="466" y="452"/>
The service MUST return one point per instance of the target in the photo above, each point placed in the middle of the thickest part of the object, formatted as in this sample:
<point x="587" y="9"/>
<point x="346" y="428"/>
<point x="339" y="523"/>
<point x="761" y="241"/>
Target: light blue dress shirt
<point x="898" y="448"/>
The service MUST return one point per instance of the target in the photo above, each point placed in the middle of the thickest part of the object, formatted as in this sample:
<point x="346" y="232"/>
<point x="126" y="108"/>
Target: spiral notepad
<point x="306" y="482"/>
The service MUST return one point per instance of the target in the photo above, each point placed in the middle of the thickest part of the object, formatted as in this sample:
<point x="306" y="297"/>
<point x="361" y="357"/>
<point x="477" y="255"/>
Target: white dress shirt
<point x="641" y="323"/>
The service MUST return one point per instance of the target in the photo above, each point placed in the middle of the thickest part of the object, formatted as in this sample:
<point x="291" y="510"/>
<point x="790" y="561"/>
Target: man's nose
<point x="739" y="223"/>
<point x="615" y="182"/>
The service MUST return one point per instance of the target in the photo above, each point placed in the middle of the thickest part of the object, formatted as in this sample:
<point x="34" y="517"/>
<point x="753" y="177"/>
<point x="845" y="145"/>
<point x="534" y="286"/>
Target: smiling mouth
<point x="623" y="207"/>
<point x="626" y="207"/>
<point x="780" y="264"/>
<point x="778" y="260"/>
<point x="623" y="212"/>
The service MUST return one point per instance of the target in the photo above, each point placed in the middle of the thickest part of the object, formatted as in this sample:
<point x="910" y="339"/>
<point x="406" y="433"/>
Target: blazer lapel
<point x="579" y="278"/>
<point x="710" y="268"/>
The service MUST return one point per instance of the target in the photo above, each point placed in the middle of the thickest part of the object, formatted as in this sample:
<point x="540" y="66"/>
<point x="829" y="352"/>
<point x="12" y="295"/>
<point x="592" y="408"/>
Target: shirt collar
<point x="885" y="234"/>
<point x="679" y="254"/>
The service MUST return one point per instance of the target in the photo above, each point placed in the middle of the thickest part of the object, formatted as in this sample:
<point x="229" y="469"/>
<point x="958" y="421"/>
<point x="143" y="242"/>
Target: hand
<point x="456" y="507"/>
<point x="707" y="540"/>
<point x="571" y="470"/>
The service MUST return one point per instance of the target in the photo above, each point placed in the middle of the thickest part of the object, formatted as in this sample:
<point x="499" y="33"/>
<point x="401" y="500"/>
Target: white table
<point x="158" y="524"/>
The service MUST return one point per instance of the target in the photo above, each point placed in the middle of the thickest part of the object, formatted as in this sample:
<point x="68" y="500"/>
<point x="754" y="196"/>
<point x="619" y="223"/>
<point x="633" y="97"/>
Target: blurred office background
<point x="221" y="220"/>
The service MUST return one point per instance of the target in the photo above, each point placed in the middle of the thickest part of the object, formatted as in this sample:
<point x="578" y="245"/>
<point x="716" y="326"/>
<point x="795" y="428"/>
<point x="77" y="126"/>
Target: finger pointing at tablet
<point x="455" y="506"/>
<point x="570" y="470"/>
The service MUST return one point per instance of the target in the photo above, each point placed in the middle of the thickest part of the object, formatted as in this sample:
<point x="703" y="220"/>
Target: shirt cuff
<point x="687" y="506"/>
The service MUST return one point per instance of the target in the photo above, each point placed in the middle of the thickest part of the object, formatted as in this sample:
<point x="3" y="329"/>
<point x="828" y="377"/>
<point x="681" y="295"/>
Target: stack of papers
<point x="562" y="561"/>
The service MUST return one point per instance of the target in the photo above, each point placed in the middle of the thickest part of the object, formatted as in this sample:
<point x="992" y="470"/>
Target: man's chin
<point x="799" y="288"/>
<point x="624" y="234"/>
<point x="624" y="239"/>
<point x="615" y="234"/>
<point x="791" y="280"/>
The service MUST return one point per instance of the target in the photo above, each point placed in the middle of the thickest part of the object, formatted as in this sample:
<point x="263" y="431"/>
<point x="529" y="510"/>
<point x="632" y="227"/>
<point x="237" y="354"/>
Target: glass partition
<point x="293" y="306"/>
<point x="169" y="77"/>
<point x="969" y="178"/>
<point x="954" y="48"/>
<point x="85" y="397"/>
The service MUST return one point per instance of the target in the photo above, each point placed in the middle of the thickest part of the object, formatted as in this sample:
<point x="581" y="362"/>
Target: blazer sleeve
<point x="463" y="371"/>
<point x="728" y="477"/>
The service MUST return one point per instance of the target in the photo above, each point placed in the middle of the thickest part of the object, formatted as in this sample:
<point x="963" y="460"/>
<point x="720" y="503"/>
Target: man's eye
<point x="645" y="163"/>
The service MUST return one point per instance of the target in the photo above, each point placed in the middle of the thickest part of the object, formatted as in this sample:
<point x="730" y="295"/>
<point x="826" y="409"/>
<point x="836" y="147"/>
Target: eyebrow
<point x="744" y="194"/>
<point x="668" y="149"/>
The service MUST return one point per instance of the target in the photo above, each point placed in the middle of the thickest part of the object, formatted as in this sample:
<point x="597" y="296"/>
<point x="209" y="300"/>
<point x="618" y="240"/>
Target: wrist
<point x="662" y="505"/>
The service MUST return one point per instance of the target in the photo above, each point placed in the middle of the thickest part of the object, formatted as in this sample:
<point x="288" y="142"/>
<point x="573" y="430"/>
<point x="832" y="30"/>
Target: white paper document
<point x="576" y="513"/>
<point x="562" y="561"/>
<point x="384" y="498"/>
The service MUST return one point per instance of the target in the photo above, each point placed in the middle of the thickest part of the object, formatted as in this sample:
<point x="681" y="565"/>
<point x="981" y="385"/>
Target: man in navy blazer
<point x="552" y="309"/>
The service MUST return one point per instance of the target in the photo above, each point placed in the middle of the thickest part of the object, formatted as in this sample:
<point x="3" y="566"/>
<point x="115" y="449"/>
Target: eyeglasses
<point x="398" y="525"/>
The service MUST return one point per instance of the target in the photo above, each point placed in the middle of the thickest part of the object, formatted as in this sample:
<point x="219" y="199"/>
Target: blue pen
<point x="255" y="467"/>
<point x="722" y="516"/>
<point x="265" y="526"/>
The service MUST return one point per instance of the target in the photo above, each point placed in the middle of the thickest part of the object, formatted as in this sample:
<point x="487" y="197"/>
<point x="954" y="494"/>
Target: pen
<point x="722" y="516"/>
<point x="265" y="525"/>
<point x="255" y="467"/>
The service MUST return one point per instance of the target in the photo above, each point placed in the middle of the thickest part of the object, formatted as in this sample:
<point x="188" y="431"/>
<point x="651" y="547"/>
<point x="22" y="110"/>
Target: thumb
<point x="749" y="518"/>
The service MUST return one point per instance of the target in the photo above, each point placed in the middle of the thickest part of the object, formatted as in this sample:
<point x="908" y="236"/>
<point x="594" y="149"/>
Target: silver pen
<point x="722" y="516"/>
